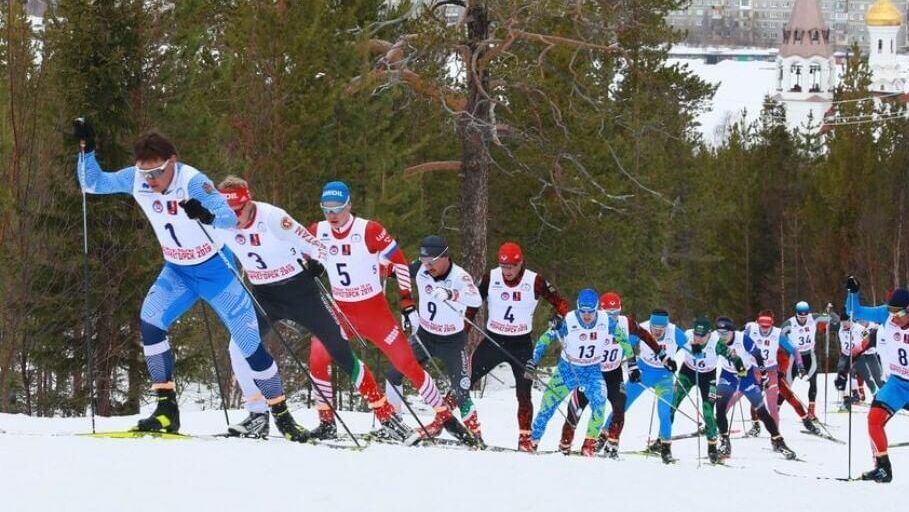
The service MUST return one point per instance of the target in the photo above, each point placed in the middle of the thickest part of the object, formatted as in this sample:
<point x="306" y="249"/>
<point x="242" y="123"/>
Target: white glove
<point x="442" y="294"/>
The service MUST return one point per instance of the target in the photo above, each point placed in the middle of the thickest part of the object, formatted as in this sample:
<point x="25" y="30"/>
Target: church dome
<point x="883" y="14"/>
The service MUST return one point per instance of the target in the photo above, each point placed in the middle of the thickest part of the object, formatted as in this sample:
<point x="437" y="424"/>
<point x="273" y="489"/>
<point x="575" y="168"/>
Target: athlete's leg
<point x="168" y="298"/>
<point x="615" y="391"/>
<point x="556" y="391"/>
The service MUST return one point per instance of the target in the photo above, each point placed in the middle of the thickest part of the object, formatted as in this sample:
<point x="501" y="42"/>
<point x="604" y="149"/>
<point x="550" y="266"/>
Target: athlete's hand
<point x="407" y="309"/>
<point x="740" y="369"/>
<point x="765" y="380"/>
<point x="711" y="395"/>
<point x="195" y="210"/>
<point x="696" y="348"/>
<point x="84" y="133"/>
<point x="668" y="362"/>
<point x="840" y="382"/>
<point x="634" y="373"/>
<point x="412" y="321"/>
<point x="442" y="294"/>
<point x="314" y="268"/>
<point x="801" y="371"/>
<point x="530" y="369"/>
<point x="852" y="284"/>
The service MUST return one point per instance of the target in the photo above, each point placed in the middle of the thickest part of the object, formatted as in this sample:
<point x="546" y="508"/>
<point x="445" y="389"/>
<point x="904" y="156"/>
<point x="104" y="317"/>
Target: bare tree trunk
<point x="474" y="130"/>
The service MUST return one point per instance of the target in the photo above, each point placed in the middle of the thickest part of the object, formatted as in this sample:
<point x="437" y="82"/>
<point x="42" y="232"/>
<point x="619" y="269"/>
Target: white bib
<point x="265" y="257"/>
<point x="511" y="308"/>
<point x="893" y="348"/>
<point x="709" y="360"/>
<point x="737" y="348"/>
<point x="444" y="317"/>
<point x="850" y="338"/>
<point x="352" y="269"/>
<point x="182" y="240"/>
<point x="584" y="346"/>
<point x="802" y="336"/>
<point x="667" y="343"/>
<point x="769" y="344"/>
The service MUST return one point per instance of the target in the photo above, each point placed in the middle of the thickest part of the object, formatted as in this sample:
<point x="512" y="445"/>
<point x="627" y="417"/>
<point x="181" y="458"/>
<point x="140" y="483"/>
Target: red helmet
<point x="510" y="254"/>
<point x="610" y="300"/>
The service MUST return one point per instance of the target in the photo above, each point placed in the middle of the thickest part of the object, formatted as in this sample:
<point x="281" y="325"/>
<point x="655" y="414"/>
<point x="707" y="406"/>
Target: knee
<point x="151" y="334"/>
<point x="394" y="376"/>
<point x="260" y="360"/>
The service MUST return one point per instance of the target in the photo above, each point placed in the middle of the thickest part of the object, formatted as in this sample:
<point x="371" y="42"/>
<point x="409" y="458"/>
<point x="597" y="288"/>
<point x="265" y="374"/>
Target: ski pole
<point x="284" y="341"/>
<point x="214" y="356"/>
<point x="87" y="328"/>
<point x="697" y="385"/>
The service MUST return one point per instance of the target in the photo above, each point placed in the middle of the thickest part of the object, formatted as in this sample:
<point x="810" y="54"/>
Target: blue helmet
<point x="588" y="300"/>
<point x="802" y="308"/>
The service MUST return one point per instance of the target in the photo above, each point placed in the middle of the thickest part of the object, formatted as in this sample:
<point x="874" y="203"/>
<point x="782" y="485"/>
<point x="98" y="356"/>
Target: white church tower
<point x="806" y="69"/>
<point x="883" y="21"/>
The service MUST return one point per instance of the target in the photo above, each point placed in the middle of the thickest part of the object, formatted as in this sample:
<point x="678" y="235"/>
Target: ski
<point x="823" y="436"/>
<point x="137" y="434"/>
<point x="816" y="477"/>
<point x="695" y="434"/>
<point x="645" y="453"/>
<point x="339" y="443"/>
<point x="793" y="459"/>
<point x="898" y="445"/>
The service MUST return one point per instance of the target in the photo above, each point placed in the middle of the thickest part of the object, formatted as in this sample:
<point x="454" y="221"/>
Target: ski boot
<point x="725" y="448"/>
<point x="286" y="424"/>
<point x="588" y="448"/>
<point x="472" y="422"/>
<point x="780" y="446"/>
<point x="755" y="430"/>
<point x="327" y="428"/>
<point x="654" y="447"/>
<point x="459" y="431"/>
<point x="611" y="450"/>
<point x="713" y="453"/>
<point x="811" y="426"/>
<point x="845" y="405"/>
<point x="165" y="417"/>
<point x="882" y="473"/>
<point x="567" y="438"/>
<point x="666" y="452"/>
<point x="255" y="426"/>
<point x="525" y="444"/>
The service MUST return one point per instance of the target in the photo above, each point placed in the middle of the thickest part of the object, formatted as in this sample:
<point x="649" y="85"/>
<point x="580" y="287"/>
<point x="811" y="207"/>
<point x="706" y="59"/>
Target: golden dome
<point x="883" y="14"/>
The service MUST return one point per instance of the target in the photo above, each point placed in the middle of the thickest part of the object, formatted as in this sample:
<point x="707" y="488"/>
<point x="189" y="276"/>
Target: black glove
<point x="530" y="369"/>
<point x="696" y="348"/>
<point x="711" y="395"/>
<point x="740" y="369"/>
<point x="668" y="362"/>
<point x="555" y="323"/>
<point x="765" y="381"/>
<point x="634" y="373"/>
<point x="314" y="268"/>
<point x="852" y="284"/>
<point x="840" y="382"/>
<point x="406" y="312"/>
<point x="83" y="131"/>
<point x="195" y="210"/>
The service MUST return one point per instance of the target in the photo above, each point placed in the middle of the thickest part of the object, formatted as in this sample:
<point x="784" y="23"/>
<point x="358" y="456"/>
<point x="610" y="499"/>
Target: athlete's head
<point x="611" y="303"/>
<point x="156" y="159"/>
<point x="434" y="255"/>
<point x="702" y="328"/>
<point x="802" y="310"/>
<point x="897" y="306"/>
<point x="511" y="260"/>
<point x="588" y="302"/>
<point x="335" y="203"/>
<point x="659" y="319"/>
<point x="725" y="328"/>
<point x="236" y="190"/>
<point x="845" y="320"/>
<point x="765" y="320"/>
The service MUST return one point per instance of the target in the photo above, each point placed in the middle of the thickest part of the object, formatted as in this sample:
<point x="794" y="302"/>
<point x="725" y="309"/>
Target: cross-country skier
<point x="891" y="338"/>
<point x="702" y="351"/>
<point x="176" y="198"/>
<point x="801" y="330"/>
<point x="357" y="250"/>
<point x="611" y="305"/>
<point x="270" y="246"/>
<point x="740" y="376"/>
<point x="511" y="292"/>
<point x="446" y="291"/>
<point x="867" y="365"/>
<point x="585" y="336"/>
<point x="658" y="374"/>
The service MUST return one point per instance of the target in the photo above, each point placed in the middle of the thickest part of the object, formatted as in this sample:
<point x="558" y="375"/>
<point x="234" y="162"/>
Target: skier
<point x="891" y="338"/>
<point x="702" y="350"/>
<point x="178" y="199"/>
<point x="357" y="250"/>
<point x="270" y="246"/>
<point x="585" y="337"/>
<point x="769" y="340"/>
<point x="611" y="305"/>
<point x="446" y="291"/>
<point x="512" y="292"/>
<point x="740" y="376"/>
<point x="867" y="365"/>
<point x="658" y="374"/>
<point x="801" y="330"/>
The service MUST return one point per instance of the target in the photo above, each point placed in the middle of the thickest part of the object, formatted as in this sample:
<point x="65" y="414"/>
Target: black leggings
<point x="450" y="350"/>
<point x="487" y="356"/>
<point x="299" y="299"/>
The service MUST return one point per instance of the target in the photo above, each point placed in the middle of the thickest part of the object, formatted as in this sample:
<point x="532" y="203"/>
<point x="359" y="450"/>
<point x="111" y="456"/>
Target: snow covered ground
<point x="42" y="467"/>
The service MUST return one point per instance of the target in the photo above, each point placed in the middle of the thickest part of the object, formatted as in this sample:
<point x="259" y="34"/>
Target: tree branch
<point x="445" y="165"/>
